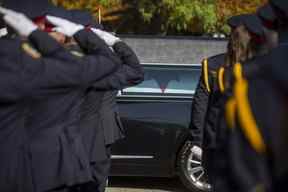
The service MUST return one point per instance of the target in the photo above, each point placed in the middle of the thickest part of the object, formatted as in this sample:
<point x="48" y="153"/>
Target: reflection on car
<point x="156" y="115"/>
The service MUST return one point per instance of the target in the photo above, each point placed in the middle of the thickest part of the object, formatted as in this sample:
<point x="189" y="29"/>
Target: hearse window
<point x="167" y="80"/>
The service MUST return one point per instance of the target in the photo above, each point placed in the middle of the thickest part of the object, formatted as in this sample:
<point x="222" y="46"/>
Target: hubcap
<point x="197" y="173"/>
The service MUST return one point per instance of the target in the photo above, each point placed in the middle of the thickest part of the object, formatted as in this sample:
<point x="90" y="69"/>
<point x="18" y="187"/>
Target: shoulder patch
<point x="28" y="49"/>
<point x="77" y="53"/>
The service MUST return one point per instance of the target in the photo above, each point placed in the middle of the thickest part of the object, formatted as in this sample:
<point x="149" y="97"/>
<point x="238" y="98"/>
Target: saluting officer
<point x="100" y="121"/>
<point x="16" y="171"/>
<point x="53" y="143"/>
<point x="92" y="126"/>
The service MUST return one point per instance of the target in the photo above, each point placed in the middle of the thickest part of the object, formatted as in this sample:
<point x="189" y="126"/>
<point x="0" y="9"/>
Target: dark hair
<point x="243" y="45"/>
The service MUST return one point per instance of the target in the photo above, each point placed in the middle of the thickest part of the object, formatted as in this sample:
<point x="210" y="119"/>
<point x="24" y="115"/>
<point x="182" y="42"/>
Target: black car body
<point x="156" y="115"/>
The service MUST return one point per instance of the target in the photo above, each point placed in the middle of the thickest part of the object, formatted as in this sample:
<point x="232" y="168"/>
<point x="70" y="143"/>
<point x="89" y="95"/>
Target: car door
<point x="154" y="113"/>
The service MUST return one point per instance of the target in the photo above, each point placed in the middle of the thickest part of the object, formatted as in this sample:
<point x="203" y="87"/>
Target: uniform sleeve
<point x="130" y="72"/>
<point x="46" y="45"/>
<point x="59" y="70"/>
<point x="198" y="113"/>
<point x="99" y="60"/>
<point x="249" y="169"/>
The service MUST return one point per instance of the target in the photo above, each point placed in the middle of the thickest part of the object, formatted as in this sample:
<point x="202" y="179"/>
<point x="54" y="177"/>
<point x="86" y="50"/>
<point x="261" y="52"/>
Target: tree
<point x="228" y="8"/>
<point x="180" y="15"/>
<point x="96" y="7"/>
<point x="164" y="17"/>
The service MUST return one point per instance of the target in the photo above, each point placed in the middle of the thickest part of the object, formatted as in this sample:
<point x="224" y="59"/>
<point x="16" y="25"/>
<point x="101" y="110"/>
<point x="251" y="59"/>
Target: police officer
<point x="245" y="44"/>
<point x="103" y="72"/>
<point x="100" y="119"/>
<point x="201" y="97"/>
<point x="16" y="173"/>
<point x="202" y="101"/>
<point x="129" y="73"/>
<point x="92" y="125"/>
<point x="206" y="105"/>
<point x="59" y="132"/>
<point x="261" y="127"/>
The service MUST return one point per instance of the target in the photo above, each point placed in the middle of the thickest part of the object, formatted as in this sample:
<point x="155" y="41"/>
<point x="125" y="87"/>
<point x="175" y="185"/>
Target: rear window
<point x="167" y="80"/>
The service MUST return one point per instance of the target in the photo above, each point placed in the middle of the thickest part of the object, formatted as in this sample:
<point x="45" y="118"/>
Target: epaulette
<point x="220" y="79"/>
<point x="27" y="48"/>
<point x="245" y="115"/>
<point x="77" y="53"/>
<point x="206" y="75"/>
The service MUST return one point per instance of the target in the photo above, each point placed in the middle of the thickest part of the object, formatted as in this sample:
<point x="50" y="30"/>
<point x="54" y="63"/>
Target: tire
<point x="190" y="170"/>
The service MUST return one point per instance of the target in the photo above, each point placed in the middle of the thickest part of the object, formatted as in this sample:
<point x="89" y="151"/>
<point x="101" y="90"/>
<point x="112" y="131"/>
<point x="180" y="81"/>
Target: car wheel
<point x="190" y="170"/>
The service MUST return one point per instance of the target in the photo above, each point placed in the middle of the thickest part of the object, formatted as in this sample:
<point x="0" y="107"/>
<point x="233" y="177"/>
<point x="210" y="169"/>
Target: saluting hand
<point x="64" y="26"/>
<point x="107" y="37"/>
<point x="18" y="21"/>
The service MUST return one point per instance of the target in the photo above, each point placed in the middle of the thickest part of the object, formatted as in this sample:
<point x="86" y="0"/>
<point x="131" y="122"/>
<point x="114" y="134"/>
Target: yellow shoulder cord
<point x="221" y="79"/>
<point x="206" y="76"/>
<point x="230" y="112"/>
<point x="246" y="119"/>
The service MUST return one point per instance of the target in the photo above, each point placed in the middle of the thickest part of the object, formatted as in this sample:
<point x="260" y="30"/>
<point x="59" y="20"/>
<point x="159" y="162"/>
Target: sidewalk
<point x="134" y="190"/>
<point x="135" y="184"/>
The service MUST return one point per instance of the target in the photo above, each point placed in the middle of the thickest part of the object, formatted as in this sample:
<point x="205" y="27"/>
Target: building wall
<point x="175" y="49"/>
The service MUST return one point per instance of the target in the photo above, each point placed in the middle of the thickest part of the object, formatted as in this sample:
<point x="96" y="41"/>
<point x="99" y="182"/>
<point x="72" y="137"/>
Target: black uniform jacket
<point x="100" y="118"/>
<point x="260" y="136"/>
<point x="52" y="153"/>
<point x="203" y="108"/>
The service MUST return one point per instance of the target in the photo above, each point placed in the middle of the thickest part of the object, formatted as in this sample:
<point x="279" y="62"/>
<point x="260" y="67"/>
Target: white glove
<point x="109" y="39"/>
<point x="64" y="26"/>
<point x="18" y="21"/>
<point x="3" y="32"/>
<point x="197" y="151"/>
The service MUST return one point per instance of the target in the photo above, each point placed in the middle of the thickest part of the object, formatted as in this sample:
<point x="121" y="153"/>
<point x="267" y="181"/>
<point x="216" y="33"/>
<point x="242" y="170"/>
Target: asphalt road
<point x="135" y="184"/>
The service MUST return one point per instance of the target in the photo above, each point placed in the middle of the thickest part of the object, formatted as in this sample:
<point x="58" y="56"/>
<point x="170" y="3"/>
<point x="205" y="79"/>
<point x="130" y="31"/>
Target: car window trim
<point x="172" y="64"/>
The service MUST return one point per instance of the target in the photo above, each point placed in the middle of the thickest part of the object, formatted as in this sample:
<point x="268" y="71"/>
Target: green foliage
<point x="86" y="4"/>
<point x="181" y="15"/>
<point x="165" y="16"/>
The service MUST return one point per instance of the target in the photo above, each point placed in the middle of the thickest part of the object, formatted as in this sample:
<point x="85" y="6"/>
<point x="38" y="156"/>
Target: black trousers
<point x="101" y="170"/>
<point x="209" y="165"/>
<point x="215" y="164"/>
<point x="78" y="188"/>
